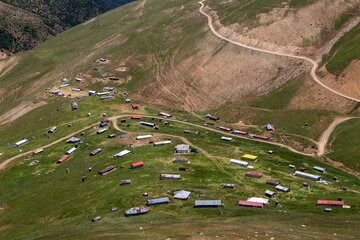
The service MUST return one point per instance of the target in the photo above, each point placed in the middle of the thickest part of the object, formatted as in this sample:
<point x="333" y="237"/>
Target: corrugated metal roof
<point x="259" y="200"/>
<point x="136" y="211"/>
<point x="283" y="189"/>
<point x="239" y="162"/>
<point x="272" y="182"/>
<point x="210" y="203"/>
<point x="182" y="194"/>
<point x="253" y="174"/>
<point x="307" y="175"/>
<point x="137" y="164"/>
<point x="330" y="202"/>
<point x="250" y="157"/>
<point x="157" y="201"/>
<point x="250" y="204"/>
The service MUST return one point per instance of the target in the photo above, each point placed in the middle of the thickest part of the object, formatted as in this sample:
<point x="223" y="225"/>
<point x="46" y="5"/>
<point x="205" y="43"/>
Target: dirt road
<point x="326" y="134"/>
<point x="313" y="62"/>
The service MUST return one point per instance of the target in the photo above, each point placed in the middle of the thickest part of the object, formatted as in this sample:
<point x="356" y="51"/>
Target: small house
<point x="259" y="200"/>
<point x="75" y="90"/>
<point x="182" y="149"/>
<point x="270" y="194"/>
<point x="111" y="136"/>
<point x="253" y="174"/>
<point x="107" y="97"/>
<point x="269" y="127"/>
<point x="302" y="169"/>
<point x="282" y="189"/>
<point x="96" y="219"/>
<point x="64" y="86"/>
<point x="135" y="106"/>
<point x="79" y="79"/>
<point x="250" y="204"/>
<point x="212" y="117"/>
<point x="162" y="143"/>
<point x="330" y="203"/>
<point x="165" y="115"/>
<point x="125" y="182"/>
<point x="307" y="175"/>
<point x="319" y="169"/>
<point x="21" y="143"/>
<point x="92" y="93"/>
<point x="292" y="166"/>
<point x="73" y="140"/>
<point x="136" y="118"/>
<point x="239" y="163"/>
<point x="71" y="150"/>
<point x="225" y="129"/>
<point x="74" y="106"/>
<point x="128" y="100"/>
<point x="136" y="211"/>
<point x="106" y="170"/>
<point x="108" y="88"/>
<point x="183" y="169"/>
<point x="114" y="78"/>
<point x="35" y="152"/>
<point x="147" y="124"/>
<point x="103" y="124"/>
<point x="143" y="137"/>
<point x="61" y="160"/>
<point x="170" y="177"/>
<point x="137" y="165"/>
<point x="229" y="185"/>
<point x="102" y="94"/>
<point x="227" y="139"/>
<point x="101" y="131"/>
<point x="122" y="153"/>
<point x="182" y="194"/>
<point x="249" y="157"/>
<point x="157" y="201"/>
<point x="207" y="203"/>
<point x="52" y="130"/>
<point x="239" y="132"/>
<point x="272" y="182"/>
<point x="96" y="151"/>
<point x="181" y="160"/>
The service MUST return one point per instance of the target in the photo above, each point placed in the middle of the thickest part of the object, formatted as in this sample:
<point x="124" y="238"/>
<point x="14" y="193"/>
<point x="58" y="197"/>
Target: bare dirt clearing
<point x="19" y="111"/>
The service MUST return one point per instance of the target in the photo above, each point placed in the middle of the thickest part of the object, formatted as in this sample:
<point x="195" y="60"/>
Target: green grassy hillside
<point x="344" y="143"/>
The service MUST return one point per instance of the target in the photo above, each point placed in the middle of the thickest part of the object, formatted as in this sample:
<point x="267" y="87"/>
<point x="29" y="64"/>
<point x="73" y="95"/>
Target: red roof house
<point x="330" y="203"/>
<point x="137" y="164"/>
<point x="250" y="204"/>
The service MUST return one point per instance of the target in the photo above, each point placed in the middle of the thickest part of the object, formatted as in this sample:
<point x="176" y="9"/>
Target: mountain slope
<point x="25" y="24"/>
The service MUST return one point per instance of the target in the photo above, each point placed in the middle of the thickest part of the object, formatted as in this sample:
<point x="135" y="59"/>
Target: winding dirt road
<point x="326" y="134"/>
<point x="313" y="62"/>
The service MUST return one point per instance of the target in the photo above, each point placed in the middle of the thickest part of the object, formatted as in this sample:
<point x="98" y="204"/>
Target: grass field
<point x="343" y="52"/>
<point x="57" y="205"/>
<point x="345" y="144"/>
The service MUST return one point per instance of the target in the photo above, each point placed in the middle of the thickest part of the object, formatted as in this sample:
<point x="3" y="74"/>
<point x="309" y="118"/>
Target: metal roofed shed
<point x="137" y="165"/>
<point x="147" y="124"/>
<point x="272" y="182"/>
<point x="107" y="97"/>
<point x="239" y="163"/>
<point x="250" y="204"/>
<point x="96" y="151"/>
<point x="209" y="116"/>
<point x="229" y="185"/>
<point x="162" y="143"/>
<point x="125" y="182"/>
<point x="21" y="143"/>
<point x="227" y="139"/>
<point x="182" y="149"/>
<point x="249" y="157"/>
<point x="143" y="137"/>
<point x="101" y="131"/>
<point x="253" y="174"/>
<point x="225" y="128"/>
<point x="106" y="170"/>
<point x="122" y="153"/>
<point x="319" y="169"/>
<point x="182" y="194"/>
<point x="269" y="127"/>
<point x="61" y="160"/>
<point x="170" y="177"/>
<point x="71" y="150"/>
<point x="166" y="115"/>
<point x="193" y="132"/>
<point x="91" y="93"/>
<point x="73" y="140"/>
<point x="157" y="201"/>
<point x="270" y="194"/>
<point x="282" y="189"/>
<point x="112" y="136"/>
<point x="307" y="175"/>
<point x="108" y="88"/>
<point x="96" y="219"/>
<point x="292" y="166"/>
<point x="51" y="130"/>
<point x="259" y="200"/>
<point x="74" y="106"/>
<point x="136" y="211"/>
<point x="330" y="203"/>
<point x="207" y="203"/>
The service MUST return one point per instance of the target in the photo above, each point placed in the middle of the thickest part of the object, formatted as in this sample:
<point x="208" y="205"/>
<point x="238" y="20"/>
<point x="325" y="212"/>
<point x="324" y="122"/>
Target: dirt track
<point x="313" y="62"/>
